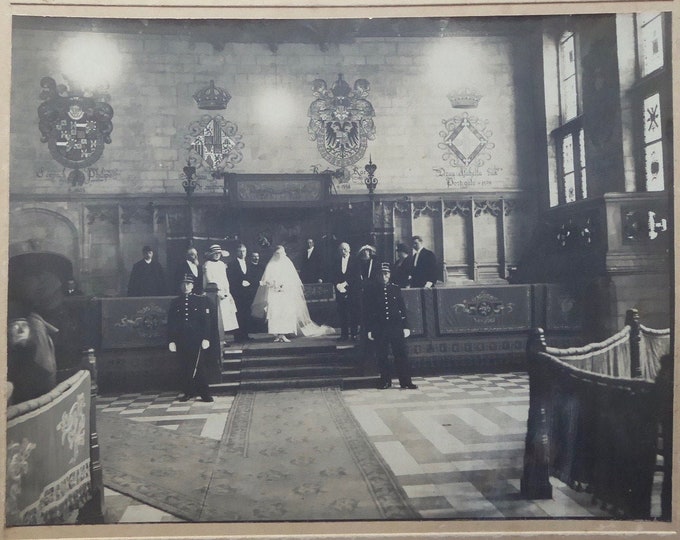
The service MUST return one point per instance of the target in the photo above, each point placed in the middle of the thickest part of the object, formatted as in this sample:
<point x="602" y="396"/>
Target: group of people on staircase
<point x="368" y="298"/>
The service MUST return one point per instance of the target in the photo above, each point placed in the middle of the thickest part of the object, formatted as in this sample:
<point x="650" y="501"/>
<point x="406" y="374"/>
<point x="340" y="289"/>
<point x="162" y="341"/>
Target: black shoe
<point x="207" y="399"/>
<point x="248" y="338"/>
<point x="385" y="385"/>
<point x="343" y="338"/>
<point x="185" y="397"/>
<point x="409" y="386"/>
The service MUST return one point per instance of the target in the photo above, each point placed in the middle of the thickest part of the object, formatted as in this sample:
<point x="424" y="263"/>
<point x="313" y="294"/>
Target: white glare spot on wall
<point x="451" y="65"/>
<point x="90" y="61"/>
<point x="277" y="109"/>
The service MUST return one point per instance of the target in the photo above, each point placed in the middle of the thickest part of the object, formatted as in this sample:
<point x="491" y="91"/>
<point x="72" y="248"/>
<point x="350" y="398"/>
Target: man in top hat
<point x="147" y="277"/>
<point x="189" y="337"/>
<point x="388" y="327"/>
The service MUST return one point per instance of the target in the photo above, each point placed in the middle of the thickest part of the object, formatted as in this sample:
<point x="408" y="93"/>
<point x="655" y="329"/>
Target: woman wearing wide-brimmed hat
<point x="215" y="271"/>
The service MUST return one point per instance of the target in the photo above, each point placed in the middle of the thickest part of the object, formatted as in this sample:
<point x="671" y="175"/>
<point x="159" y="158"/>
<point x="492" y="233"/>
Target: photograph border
<point x="247" y="9"/>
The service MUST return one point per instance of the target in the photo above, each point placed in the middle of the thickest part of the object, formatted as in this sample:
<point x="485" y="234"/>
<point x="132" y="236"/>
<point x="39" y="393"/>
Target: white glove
<point x="205" y="344"/>
<point x="342" y="287"/>
<point x="428" y="285"/>
<point x="407" y="332"/>
<point x="370" y="336"/>
<point x="245" y="283"/>
<point x="172" y="347"/>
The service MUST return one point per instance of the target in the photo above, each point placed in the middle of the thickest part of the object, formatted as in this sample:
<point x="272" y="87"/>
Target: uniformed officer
<point x="387" y="326"/>
<point x="188" y="336"/>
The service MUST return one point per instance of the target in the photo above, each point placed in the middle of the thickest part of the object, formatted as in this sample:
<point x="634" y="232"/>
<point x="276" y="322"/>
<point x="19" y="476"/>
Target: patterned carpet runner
<point x="296" y="455"/>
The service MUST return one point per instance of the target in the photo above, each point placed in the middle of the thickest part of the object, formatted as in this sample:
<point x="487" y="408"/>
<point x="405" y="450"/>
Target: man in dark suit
<point x="311" y="264"/>
<point x="243" y="287"/>
<point x="256" y="268"/>
<point x="189" y="337"/>
<point x="70" y="288"/>
<point x="147" y="277"/>
<point x="388" y="327"/>
<point x="368" y="271"/>
<point x="424" y="271"/>
<point x="190" y="266"/>
<point x="347" y="292"/>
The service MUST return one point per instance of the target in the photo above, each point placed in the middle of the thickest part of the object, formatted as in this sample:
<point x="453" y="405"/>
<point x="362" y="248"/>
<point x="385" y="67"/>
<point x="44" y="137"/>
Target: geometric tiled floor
<point x="455" y="445"/>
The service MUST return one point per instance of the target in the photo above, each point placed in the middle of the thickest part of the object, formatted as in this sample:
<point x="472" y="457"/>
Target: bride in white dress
<point x="281" y="300"/>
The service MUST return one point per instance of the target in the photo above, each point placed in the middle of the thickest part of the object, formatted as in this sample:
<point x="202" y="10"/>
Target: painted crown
<point x="464" y="98"/>
<point x="212" y="98"/>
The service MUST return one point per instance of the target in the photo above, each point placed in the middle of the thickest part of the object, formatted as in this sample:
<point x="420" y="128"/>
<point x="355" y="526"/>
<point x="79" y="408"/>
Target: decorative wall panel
<point x="488" y="309"/>
<point x="134" y="322"/>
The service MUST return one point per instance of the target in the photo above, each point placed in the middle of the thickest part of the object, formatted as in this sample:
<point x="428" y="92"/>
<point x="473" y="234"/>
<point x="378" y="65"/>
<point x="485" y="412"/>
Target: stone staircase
<point x="302" y="363"/>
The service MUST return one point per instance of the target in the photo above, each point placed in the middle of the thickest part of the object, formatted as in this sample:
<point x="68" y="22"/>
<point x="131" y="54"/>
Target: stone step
<point x="225" y="388"/>
<point x="347" y="383"/>
<point x="287" y="349"/>
<point x="292" y="360"/>
<point x="283" y="384"/>
<point x="295" y="372"/>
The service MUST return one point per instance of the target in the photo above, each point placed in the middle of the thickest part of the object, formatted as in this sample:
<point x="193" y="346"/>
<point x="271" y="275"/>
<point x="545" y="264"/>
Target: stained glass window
<point x="650" y="42"/>
<point x="652" y="101"/>
<point x="568" y="88"/>
<point x="568" y="136"/>
<point x="651" y="111"/>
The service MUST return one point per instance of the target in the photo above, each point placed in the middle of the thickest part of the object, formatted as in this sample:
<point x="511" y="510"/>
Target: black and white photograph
<point x="412" y="272"/>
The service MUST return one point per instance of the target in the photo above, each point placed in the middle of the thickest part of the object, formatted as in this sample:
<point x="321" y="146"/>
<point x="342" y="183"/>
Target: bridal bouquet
<point x="274" y="286"/>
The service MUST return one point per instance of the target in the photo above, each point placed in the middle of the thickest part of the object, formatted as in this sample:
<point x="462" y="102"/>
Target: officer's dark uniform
<point x="188" y="325"/>
<point x="386" y="320"/>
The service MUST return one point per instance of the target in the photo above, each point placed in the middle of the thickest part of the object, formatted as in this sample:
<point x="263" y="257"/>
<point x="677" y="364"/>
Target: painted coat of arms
<point x="75" y="127"/>
<point x="341" y="120"/>
<point x="214" y="143"/>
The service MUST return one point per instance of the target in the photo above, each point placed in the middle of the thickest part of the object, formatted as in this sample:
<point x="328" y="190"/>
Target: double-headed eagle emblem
<point x="341" y="120"/>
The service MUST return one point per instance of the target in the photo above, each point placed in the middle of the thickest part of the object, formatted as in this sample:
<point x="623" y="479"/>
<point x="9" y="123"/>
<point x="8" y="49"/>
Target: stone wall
<point x="271" y="93"/>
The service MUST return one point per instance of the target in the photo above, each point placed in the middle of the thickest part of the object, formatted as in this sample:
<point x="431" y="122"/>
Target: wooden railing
<point x="594" y="422"/>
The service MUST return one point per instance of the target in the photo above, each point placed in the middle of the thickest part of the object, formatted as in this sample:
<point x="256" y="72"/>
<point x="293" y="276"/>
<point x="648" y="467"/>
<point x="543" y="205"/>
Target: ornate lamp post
<point x="190" y="184"/>
<point x="371" y="181"/>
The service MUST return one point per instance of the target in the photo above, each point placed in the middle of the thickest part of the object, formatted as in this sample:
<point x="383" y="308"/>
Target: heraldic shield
<point x="341" y="120"/>
<point x="74" y="127"/>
